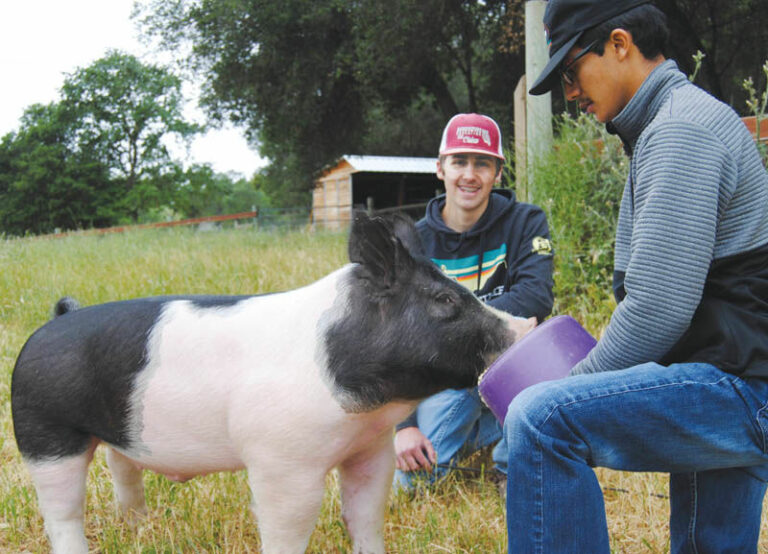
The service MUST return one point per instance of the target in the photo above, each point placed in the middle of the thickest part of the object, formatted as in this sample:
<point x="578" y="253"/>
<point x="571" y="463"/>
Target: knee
<point x="526" y="414"/>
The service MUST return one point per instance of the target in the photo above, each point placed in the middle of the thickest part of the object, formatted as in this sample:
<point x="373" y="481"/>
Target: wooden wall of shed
<point x="332" y="199"/>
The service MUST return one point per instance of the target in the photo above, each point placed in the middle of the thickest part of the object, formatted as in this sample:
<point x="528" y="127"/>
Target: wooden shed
<point x="373" y="183"/>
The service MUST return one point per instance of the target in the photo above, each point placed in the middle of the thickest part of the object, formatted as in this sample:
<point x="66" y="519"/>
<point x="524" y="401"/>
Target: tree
<point x="125" y="111"/>
<point x="204" y="192"/>
<point x="315" y="79"/>
<point x="733" y="36"/>
<point x="44" y="185"/>
<point x="98" y="156"/>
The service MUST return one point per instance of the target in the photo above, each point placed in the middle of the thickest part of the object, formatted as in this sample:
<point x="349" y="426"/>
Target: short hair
<point x="646" y="23"/>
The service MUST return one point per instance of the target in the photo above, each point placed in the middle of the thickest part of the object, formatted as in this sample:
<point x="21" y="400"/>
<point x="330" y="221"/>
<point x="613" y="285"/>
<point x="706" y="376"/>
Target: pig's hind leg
<point x="286" y="503"/>
<point x="60" y="486"/>
<point x="366" y="480"/>
<point x="129" y="485"/>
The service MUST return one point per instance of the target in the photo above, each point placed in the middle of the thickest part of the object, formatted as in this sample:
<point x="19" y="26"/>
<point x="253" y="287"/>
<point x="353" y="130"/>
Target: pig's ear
<point x="405" y="230"/>
<point x="384" y="260"/>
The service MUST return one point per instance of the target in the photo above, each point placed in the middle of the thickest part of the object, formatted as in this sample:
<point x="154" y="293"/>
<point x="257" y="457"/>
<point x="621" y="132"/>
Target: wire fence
<point x="260" y="218"/>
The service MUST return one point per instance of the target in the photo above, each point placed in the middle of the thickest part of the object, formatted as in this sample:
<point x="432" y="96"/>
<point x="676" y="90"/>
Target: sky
<point x="43" y="40"/>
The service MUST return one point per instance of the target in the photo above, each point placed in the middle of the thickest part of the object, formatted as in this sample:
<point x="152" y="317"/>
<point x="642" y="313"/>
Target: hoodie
<point x="505" y="258"/>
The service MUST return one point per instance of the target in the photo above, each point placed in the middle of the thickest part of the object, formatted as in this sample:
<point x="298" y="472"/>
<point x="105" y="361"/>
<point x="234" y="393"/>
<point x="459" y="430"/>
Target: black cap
<point x="565" y="21"/>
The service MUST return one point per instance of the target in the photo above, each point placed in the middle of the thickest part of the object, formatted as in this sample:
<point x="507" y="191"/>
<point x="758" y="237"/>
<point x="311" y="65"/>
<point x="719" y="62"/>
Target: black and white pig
<point x="287" y="386"/>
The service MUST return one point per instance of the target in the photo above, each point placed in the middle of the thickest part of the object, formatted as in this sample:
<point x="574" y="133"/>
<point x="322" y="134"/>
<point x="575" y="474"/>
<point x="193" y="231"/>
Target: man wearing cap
<point x="495" y="246"/>
<point x="678" y="382"/>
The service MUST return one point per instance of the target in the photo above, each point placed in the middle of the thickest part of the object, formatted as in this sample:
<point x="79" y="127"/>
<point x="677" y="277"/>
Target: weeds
<point x="579" y="186"/>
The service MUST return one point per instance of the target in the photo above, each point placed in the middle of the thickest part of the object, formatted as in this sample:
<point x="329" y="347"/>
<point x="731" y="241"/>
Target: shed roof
<point x="387" y="164"/>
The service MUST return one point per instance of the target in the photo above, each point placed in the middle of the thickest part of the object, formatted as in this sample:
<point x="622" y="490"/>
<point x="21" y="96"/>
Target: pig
<point x="286" y="385"/>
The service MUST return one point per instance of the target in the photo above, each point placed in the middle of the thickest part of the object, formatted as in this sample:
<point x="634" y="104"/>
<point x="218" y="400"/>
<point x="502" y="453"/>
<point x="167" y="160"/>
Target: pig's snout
<point x="515" y="328"/>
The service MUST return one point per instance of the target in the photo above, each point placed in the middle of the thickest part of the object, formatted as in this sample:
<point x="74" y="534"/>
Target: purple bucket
<point x="547" y="352"/>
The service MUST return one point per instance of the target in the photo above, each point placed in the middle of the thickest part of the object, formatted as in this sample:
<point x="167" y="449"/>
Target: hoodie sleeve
<point x="410" y="421"/>
<point x="529" y="279"/>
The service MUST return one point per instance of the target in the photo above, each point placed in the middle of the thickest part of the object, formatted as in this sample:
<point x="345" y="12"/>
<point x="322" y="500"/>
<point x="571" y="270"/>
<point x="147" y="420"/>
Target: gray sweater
<point x="697" y="192"/>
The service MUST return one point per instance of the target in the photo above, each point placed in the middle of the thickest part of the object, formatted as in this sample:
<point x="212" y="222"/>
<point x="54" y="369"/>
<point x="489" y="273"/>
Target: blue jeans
<point x="457" y="423"/>
<point x="705" y="427"/>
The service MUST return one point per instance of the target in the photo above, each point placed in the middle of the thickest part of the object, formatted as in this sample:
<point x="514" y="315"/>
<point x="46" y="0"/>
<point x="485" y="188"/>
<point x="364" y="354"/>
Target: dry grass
<point x="464" y="513"/>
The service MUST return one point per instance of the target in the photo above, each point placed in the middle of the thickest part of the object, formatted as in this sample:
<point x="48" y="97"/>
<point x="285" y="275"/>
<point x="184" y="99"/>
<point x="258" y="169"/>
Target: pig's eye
<point x="444" y="305"/>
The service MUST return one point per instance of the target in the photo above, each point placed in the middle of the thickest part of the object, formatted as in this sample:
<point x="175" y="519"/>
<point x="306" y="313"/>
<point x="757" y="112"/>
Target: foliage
<point x="123" y="110"/>
<point x="203" y="192"/>
<point x="579" y="185"/>
<point x="99" y="156"/>
<point x="731" y="34"/>
<point x="314" y="80"/>
<point x="44" y="184"/>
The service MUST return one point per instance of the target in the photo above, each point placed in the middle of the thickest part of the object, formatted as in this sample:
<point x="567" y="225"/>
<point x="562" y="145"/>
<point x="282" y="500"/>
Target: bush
<point x="579" y="184"/>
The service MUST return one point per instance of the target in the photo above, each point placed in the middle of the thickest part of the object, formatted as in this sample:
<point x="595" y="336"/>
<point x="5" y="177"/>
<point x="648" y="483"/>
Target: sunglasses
<point x="569" y="77"/>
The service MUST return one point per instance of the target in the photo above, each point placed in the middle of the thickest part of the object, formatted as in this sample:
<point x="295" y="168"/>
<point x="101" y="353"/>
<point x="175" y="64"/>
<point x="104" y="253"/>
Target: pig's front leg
<point x="287" y="498"/>
<point x="366" y="480"/>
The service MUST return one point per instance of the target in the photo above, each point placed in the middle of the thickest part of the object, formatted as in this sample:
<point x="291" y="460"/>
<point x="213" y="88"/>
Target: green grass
<point x="210" y="514"/>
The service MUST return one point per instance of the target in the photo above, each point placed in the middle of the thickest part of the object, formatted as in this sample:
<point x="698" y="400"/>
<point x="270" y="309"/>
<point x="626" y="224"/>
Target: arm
<point x="529" y="273"/>
<point x="681" y="178"/>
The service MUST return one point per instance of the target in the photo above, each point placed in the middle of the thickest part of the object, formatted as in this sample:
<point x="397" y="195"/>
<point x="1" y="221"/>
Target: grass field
<point x="464" y="513"/>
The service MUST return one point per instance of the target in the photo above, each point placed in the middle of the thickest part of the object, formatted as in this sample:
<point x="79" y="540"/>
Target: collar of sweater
<point x="646" y="102"/>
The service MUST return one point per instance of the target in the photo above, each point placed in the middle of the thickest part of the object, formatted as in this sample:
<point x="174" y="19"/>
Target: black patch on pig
<point x="74" y="377"/>
<point x="408" y="331"/>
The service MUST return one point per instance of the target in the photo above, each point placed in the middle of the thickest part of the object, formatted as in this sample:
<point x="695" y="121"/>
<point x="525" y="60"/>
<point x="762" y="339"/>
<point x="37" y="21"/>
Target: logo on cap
<point x="473" y="135"/>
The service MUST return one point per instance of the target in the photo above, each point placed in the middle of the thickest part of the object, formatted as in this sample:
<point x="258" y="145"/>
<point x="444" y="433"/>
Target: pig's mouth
<point x="488" y="359"/>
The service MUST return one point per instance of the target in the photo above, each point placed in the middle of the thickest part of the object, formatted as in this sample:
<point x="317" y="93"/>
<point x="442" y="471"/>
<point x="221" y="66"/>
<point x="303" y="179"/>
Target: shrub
<point x="579" y="184"/>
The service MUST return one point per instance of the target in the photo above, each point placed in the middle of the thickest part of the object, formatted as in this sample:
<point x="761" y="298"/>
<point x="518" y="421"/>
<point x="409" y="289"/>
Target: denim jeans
<point x="457" y="423"/>
<point x="705" y="427"/>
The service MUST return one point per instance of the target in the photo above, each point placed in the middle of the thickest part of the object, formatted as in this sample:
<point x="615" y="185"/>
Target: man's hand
<point x="413" y="450"/>
<point x="523" y="326"/>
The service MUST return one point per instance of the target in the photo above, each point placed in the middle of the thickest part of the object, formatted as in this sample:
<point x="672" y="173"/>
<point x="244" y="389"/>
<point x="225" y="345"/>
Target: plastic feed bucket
<point x="546" y="353"/>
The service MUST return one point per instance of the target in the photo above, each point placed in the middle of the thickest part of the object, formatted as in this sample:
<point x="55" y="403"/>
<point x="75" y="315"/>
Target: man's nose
<point x="571" y="91"/>
<point x="469" y="171"/>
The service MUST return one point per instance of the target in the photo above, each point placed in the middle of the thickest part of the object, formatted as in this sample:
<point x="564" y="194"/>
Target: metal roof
<point x="392" y="164"/>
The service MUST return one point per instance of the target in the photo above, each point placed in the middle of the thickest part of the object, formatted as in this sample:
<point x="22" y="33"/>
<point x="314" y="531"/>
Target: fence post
<point x="538" y="108"/>
<point x="521" y="175"/>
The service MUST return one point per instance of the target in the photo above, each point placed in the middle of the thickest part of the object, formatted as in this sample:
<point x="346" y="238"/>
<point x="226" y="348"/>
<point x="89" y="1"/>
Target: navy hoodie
<point x="511" y="240"/>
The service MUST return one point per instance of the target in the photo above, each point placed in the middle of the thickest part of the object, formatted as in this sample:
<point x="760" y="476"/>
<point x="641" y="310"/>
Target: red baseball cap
<point x="472" y="133"/>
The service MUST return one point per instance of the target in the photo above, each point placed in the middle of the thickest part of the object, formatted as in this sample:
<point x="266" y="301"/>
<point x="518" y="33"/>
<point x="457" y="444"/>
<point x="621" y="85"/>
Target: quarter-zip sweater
<point x="691" y="258"/>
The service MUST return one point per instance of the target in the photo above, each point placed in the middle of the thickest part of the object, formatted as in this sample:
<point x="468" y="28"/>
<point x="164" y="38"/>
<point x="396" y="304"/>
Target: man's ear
<point x="620" y="42"/>
<point x="439" y="169"/>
